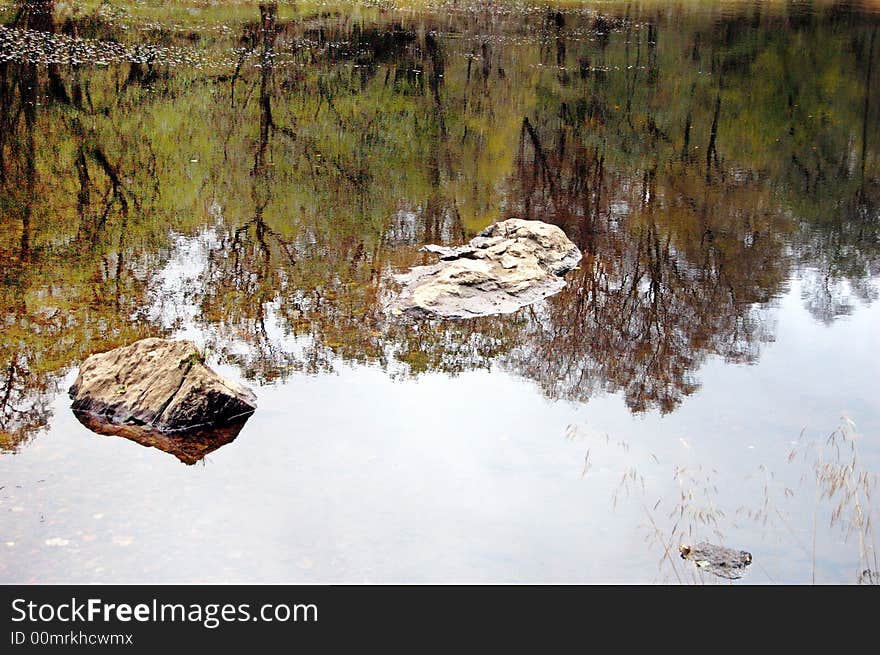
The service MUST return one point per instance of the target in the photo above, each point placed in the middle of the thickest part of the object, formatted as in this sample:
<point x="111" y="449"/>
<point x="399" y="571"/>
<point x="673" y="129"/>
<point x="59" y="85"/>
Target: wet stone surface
<point x="507" y="266"/>
<point x="158" y="383"/>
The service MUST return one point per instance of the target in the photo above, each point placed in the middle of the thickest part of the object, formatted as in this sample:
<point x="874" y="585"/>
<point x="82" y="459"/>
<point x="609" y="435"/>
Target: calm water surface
<point x="252" y="177"/>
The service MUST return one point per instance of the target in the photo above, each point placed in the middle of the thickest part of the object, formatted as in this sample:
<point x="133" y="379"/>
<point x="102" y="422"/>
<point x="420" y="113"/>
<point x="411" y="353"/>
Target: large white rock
<point x="158" y="383"/>
<point x="507" y="266"/>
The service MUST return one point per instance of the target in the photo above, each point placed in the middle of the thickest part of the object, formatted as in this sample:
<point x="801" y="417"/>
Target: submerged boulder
<point x="723" y="562"/>
<point x="160" y="384"/>
<point x="505" y="267"/>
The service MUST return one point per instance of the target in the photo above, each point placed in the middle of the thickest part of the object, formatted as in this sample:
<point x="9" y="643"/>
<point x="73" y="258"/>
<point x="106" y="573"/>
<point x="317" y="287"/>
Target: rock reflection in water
<point x="189" y="447"/>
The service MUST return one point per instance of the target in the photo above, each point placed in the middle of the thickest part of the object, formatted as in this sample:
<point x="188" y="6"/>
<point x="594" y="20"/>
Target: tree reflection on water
<point x="700" y="159"/>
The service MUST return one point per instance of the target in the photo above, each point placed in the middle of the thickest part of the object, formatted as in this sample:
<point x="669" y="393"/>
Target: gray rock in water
<point x="158" y="383"/>
<point x="723" y="562"/>
<point x="507" y="266"/>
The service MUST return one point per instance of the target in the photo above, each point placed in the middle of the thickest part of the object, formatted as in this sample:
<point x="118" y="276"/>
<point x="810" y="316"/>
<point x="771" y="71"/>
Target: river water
<point x="252" y="177"/>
